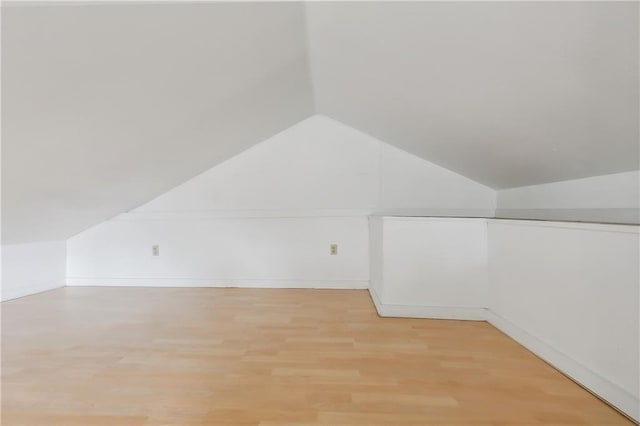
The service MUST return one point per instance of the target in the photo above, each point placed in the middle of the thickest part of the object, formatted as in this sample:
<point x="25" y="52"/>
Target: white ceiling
<point x="505" y="93"/>
<point x="105" y="107"/>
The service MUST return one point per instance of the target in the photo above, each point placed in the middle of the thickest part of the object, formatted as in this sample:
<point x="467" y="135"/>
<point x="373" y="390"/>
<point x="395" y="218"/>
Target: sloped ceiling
<point x="506" y="93"/>
<point x="105" y="107"/>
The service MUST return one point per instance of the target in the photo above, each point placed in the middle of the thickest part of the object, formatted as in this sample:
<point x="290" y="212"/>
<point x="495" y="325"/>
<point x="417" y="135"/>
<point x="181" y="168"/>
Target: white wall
<point x="316" y="164"/>
<point x="32" y="268"/>
<point x="376" y="259"/>
<point x="268" y="216"/>
<point x="409" y="185"/>
<point x="429" y="267"/>
<point x="570" y="293"/>
<point x="567" y="291"/>
<point x="242" y="252"/>
<point x="610" y="198"/>
<point x="322" y="164"/>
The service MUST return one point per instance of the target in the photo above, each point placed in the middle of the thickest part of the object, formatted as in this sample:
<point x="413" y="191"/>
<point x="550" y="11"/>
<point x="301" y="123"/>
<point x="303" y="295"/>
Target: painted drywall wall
<point x="429" y="267"/>
<point x="376" y="258"/>
<point x="32" y="268"/>
<point x="567" y="291"/>
<point x="238" y="252"/>
<point x="611" y="198"/>
<point x="322" y="164"/>
<point x="268" y="216"/>
<point x="316" y="164"/>
<point x="570" y="293"/>
<point x="412" y="186"/>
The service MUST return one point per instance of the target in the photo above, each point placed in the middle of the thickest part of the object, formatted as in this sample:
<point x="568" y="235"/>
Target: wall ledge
<point x="624" y="216"/>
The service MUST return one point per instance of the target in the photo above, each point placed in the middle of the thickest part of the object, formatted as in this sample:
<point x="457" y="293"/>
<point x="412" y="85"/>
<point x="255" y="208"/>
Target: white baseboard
<point x="376" y="300"/>
<point x="428" y="312"/>
<point x="22" y="292"/>
<point x="216" y="282"/>
<point x="616" y="396"/>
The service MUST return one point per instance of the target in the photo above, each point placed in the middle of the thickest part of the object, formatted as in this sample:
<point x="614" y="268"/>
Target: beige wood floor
<point x="159" y="356"/>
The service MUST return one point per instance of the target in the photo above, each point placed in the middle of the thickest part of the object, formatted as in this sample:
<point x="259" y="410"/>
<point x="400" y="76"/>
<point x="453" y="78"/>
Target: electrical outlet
<point x="155" y="250"/>
<point x="333" y="249"/>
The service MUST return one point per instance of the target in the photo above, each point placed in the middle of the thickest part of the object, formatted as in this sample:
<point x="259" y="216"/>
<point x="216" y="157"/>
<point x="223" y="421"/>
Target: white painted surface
<point x="409" y="184"/>
<point x="289" y="252"/>
<point x="435" y="262"/>
<point x="506" y="93"/>
<point x="570" y="292"/>
<point x="619" y="190"/>
<point x="428" y="312"/>
<point x="429" y="267"/>
<point x="105" y="106"/>
<point x="32" y="268"/>
<point x="271" y="213"/>
<point x="608" y="198"/>
<point x="316" y="164"/>
<point x="322" y="164"/>
<point x="117" y="103"/>
<point x="376" y="258"/>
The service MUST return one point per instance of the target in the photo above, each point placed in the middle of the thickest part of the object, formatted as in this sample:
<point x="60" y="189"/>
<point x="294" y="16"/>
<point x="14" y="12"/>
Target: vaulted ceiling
<point x="106" y="106"/>
<point x="506" y="93"/>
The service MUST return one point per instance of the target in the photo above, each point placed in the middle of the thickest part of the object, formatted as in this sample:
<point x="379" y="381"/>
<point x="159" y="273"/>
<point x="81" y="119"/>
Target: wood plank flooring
<point x="167" y="356"/>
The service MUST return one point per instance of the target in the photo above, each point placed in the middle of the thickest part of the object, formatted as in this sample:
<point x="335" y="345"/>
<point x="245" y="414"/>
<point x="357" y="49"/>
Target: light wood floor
<point x="159" y="356"/>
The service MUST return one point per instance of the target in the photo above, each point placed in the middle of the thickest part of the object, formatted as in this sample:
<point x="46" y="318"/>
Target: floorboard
<point x="186" y="356"/>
